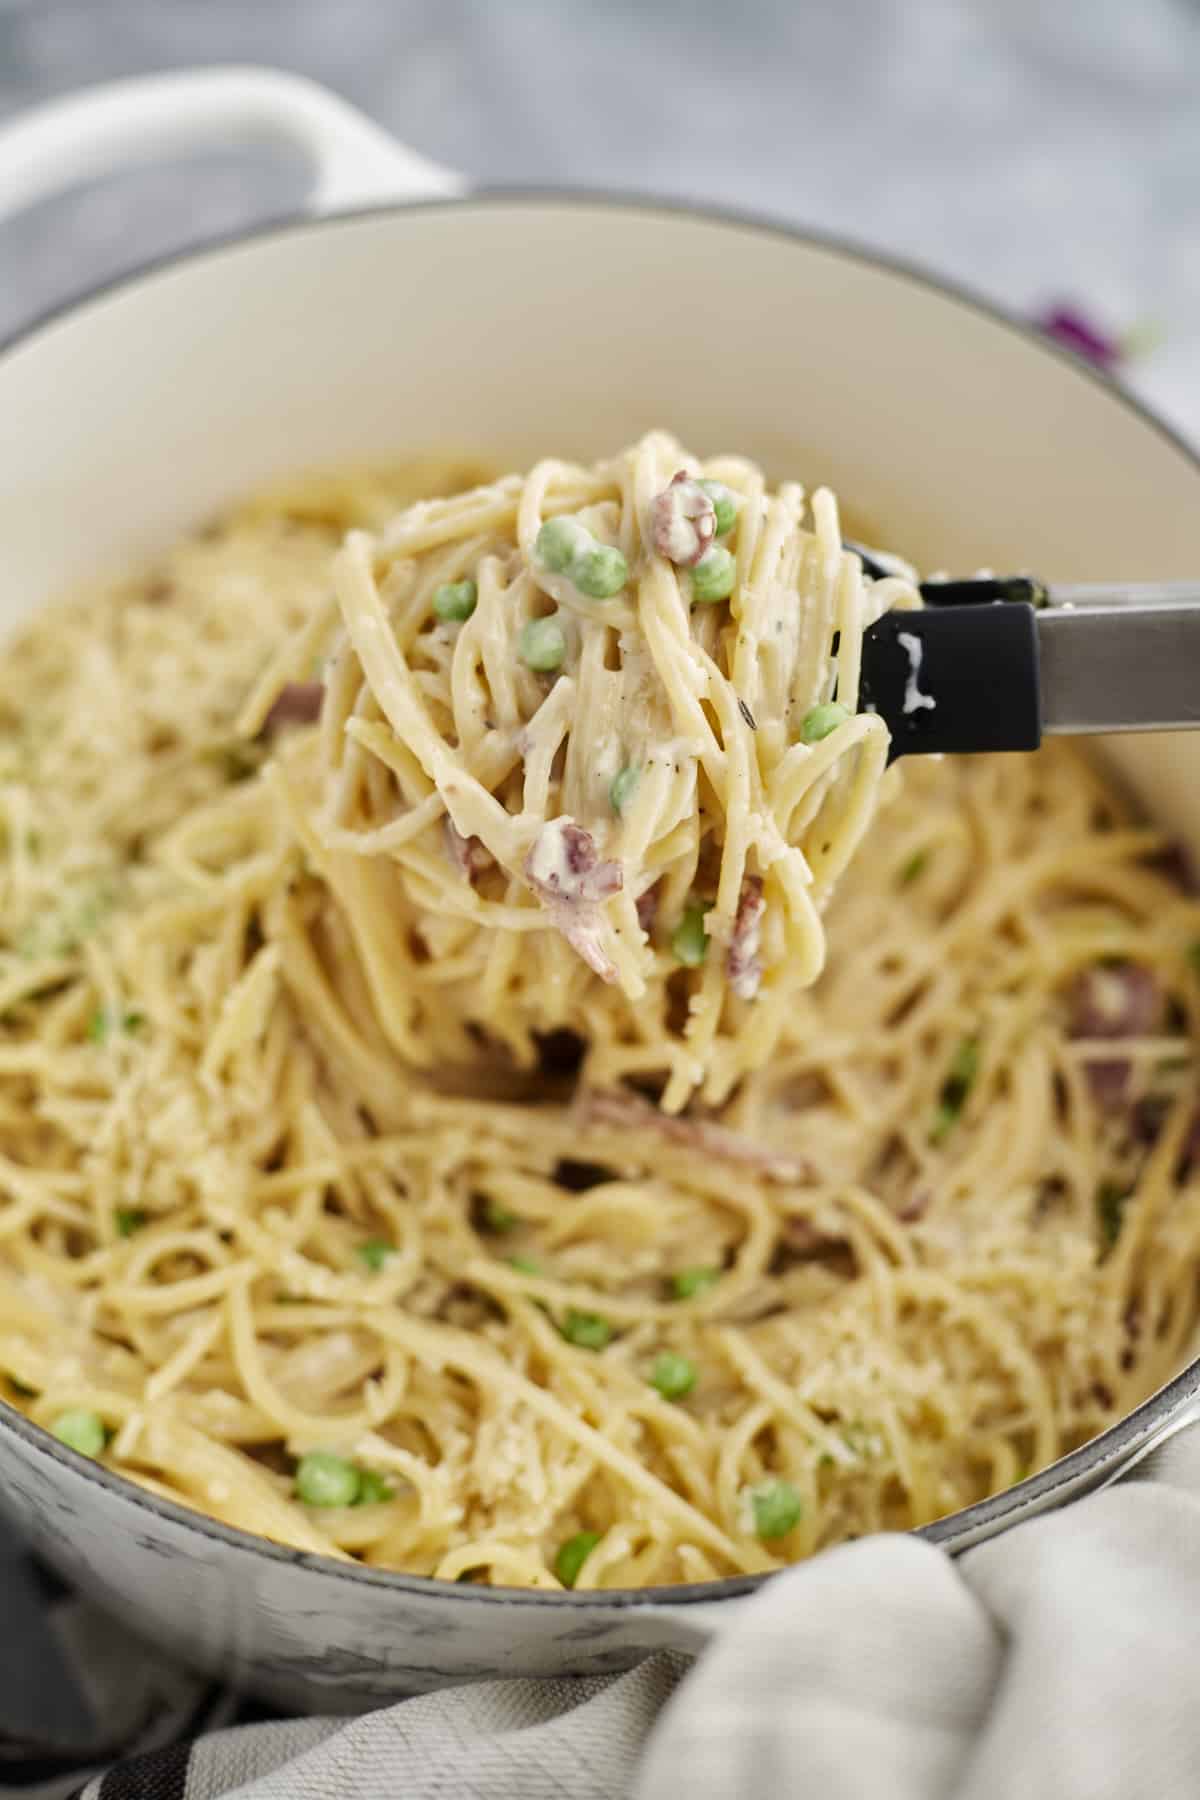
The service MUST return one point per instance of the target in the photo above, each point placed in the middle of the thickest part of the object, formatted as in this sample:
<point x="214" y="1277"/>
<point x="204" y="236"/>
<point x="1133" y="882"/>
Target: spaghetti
<point x="295" y="1231"/>
<point x="573" y="730"/>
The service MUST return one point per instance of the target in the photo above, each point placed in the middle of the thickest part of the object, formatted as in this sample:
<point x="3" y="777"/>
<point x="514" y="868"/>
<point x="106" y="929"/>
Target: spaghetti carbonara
<point x="590" y="759"/>
<point x="344" y="1198"/>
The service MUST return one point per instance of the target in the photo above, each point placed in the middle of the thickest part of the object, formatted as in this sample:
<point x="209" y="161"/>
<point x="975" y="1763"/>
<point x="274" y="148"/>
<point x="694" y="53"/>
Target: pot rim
<point x="1102" y="1457"/>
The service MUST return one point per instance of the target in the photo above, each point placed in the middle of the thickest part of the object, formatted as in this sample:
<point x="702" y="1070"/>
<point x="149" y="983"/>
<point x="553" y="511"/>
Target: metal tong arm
<point x="961" y="679"/>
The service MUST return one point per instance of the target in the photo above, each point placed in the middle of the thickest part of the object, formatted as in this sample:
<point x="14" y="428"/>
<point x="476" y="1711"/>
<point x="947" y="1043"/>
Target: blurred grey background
<point x="1037" y="149"/>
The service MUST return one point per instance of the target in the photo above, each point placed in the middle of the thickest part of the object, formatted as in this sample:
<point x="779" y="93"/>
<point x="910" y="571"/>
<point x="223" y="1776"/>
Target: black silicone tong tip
<point x="975" y="590"/>
<point x="955" y="679"/>
<point x="982" y="590"/>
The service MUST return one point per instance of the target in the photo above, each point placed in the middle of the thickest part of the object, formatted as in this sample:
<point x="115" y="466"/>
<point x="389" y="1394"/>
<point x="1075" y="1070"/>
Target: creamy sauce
<point x="914" y="699"/>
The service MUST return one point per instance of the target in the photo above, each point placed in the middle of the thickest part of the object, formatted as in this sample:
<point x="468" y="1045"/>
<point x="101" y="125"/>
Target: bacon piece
<point x="1124" y="1001"/>
<point x="470" y="855"/>
<point x="683" y="521"/>
<point x="915" y="1207"/>
<point x="742" y="964"/>
<point x="619" y="1108"/>
<point x="803" y="1239"/>
<point x="297" y="703"/>
<point x="565" y="872"/>
<point x="1108" y="1081"/>
<point x="647" y="909"/>
<point x="1120" y="1002"/>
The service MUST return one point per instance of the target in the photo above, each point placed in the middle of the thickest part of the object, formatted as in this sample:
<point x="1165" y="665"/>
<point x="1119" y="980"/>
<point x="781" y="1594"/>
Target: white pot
<point x="520" y="324"/>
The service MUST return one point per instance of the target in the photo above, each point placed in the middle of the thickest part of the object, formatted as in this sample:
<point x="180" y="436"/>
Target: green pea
<point x="673" y="1375"/>
<point x="542" y="645"/>
<point x="622" y="788"/>
<point x="81" y="1430"/>
<point x="777" y="1508"/>
<point x="945" y="1118"/>
<point x="689" y="940"/>
<point x="573" y="1554"/>
<point x="128" y="1219"/>
<point x="960" y="1078"/>
<point x="240" y="761"/>
<point x="376" y="1253"/>
<point x="863" y="1440"/>
<point x="373" y="1490"/>
<point x="107" y="1019"/>
<point x="725" y="504"/>
<point x="1111" y="1202"/>
<point x="558" y="543"/>
<point x="599" y="572"/>
<point x="454" y="601"/>
<point x="822" y="720"/>
<point x="587" y="1331"/>
<point x="714" y="575"/>
<point x="323" y="1479"/>
<point x="690" y="1282"/>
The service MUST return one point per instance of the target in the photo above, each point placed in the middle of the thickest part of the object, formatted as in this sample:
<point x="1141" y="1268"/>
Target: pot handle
<point x="354" y="162"/>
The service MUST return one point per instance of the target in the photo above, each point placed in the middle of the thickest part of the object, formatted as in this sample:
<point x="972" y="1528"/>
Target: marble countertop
<point x="1032" y="151"/>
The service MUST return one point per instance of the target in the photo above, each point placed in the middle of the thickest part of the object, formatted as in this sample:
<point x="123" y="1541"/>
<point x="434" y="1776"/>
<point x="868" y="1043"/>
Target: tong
<point x="996" y="662"/>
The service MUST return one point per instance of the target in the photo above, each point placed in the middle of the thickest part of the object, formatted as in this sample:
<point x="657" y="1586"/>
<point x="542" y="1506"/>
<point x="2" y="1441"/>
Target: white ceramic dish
<point x="408" y="313"/>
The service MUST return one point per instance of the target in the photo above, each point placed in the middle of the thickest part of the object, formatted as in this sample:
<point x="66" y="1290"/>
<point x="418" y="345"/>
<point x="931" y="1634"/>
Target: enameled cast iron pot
<point x="406" y="312"/>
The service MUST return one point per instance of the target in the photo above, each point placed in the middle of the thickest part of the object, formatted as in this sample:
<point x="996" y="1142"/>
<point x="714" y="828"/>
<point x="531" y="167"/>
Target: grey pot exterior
<point x="302" y="1631"/>
<point x="312" y="1634"/>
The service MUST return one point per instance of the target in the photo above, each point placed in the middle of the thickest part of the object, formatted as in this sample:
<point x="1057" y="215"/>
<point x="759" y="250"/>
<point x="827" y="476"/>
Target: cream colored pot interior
<point x="526" y="326"/>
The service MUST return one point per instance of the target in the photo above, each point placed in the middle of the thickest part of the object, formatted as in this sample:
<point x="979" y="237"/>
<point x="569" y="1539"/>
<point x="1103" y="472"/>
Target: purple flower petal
<point x="1069" y="327"/>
